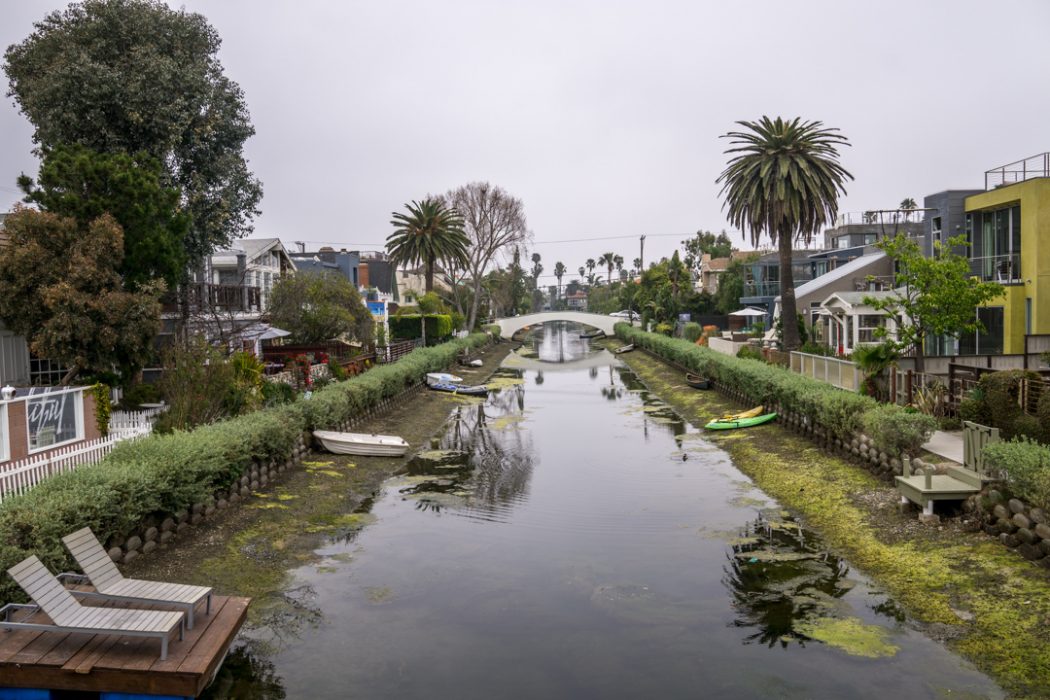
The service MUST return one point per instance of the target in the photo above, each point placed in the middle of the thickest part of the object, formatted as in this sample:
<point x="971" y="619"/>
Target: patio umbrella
<point x="262" y="331"/>
<point x="748" y="311"/>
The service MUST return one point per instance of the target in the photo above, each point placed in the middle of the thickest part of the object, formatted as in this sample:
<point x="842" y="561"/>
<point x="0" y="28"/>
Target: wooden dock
<point x="102" y="663"/>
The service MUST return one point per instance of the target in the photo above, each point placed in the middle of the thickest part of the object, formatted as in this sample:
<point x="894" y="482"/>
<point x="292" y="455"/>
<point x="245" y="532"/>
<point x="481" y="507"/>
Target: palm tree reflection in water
<point x="779" y="576"/>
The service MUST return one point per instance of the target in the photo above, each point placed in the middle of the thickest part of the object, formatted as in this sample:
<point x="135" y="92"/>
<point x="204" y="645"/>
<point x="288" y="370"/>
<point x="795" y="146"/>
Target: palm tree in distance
<point x="637" y="262"/>
<point x="427" y="233"/>
<point x="559" y="272"/>
<point x="618" y="262"/>
<point x="590" y="268"/>
<point x="608" y="259"/>
<point x="907" y="206"/>
<point x="783" y="180"/>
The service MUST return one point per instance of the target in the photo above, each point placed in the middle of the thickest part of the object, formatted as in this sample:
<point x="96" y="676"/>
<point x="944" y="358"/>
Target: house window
<point x="870" y="238"/>
<point x="45" y="372"/>
<point x="54" y="418"/>
<point x="936" y="228"/>
<point x="988" y="340"/>
<point x="995" y="237"/>
<point x="867" y="325"/>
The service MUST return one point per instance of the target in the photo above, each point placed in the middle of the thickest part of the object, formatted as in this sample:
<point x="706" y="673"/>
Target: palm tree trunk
<point x="430" y="275"/>
<point x="788" y="314"/>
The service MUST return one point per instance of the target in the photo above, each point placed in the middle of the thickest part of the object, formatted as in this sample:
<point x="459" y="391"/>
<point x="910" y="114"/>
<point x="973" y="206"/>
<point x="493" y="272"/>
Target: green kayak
<point x="723" y="424"/>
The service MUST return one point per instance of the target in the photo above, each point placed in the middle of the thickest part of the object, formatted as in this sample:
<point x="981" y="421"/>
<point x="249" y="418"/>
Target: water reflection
<point x="779" y="577"/>
<point x="483" y="462"/>
<point x="245" y="674"/>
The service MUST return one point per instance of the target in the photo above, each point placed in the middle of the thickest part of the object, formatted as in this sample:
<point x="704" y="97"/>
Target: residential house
<point x="1008" y="228"/>
<point x="855" y="229"/>
<point x="845" y="320"/>
<point x="576" y="301"/>
<point x="327" y="259"/>
<point x="762" y="281"/>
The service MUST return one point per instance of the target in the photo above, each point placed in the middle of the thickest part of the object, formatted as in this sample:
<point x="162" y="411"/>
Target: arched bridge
<point x="510" y="326"/>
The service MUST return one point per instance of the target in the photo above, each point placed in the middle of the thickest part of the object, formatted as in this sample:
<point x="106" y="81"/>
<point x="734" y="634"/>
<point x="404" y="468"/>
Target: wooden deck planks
<point x="123" y="664"/>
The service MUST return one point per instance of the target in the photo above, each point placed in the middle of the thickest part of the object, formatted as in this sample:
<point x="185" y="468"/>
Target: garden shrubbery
<point x="161" y="474"/>
<point x="439" y="327"/>
<point x="692" y="331"/>
<point x="897" y="431"/>
<point x="1024" y="466"/>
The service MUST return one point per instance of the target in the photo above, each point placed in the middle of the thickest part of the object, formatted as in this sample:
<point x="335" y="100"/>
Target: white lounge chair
<point x="109" y="583"/>
<point x="68" y="615"/>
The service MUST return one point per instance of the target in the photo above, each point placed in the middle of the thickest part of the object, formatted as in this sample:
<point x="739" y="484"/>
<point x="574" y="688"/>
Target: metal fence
<point x="831" y="370"/>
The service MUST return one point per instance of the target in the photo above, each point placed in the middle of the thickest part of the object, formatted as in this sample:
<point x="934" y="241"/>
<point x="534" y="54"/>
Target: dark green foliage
<point x="199" y="386"/>
<point x="817" y="349"/>
<point x="873" y="360"/>
<point x="1000" y="399"/>
<point x="429" y="233"/>
<point x="137" y="394"/>
<point x="131" y="76"/>
<point x="1025" y="467"/>
<point x="803" y="332"/>
<point x="407" y="327"/>
<point x="320" y="307"/>
<point x="692" y="331"/>
<point x="82" y="184"/>
<point x="896" y="431"/>
<point x="162" y="474"/>
<point x="277" y="393"/>
<point x="749" y="353"/>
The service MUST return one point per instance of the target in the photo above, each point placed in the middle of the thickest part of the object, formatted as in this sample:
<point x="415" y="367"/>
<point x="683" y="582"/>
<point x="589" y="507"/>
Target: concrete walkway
<point x="947" y="445"/>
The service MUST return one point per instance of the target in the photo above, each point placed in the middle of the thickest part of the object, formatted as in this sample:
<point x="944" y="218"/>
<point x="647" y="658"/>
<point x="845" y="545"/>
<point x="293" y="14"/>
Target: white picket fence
<point x="18" y="477"/>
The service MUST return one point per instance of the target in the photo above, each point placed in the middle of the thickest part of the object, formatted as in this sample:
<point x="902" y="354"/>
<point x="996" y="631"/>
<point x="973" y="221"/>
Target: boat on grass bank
<point x="362" y="444"/>
<point x="442" y="378"/>
<point x="592" y="334"/>
<point x="624" y="348"/>
<point x="745" y="419"/>
<point x="478" y="390"/>
<point x="697" y="382"/>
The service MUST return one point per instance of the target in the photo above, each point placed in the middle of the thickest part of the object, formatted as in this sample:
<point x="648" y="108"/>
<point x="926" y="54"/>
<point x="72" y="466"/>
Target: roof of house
<point x="854" y="299"/>
<point x="842" y="271"/>
<point x="717" y="264"/>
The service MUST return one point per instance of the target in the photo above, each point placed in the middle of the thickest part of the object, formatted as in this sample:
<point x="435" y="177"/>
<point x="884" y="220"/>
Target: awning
<point x="748" y="312"/>
<point x="262" y="331"/>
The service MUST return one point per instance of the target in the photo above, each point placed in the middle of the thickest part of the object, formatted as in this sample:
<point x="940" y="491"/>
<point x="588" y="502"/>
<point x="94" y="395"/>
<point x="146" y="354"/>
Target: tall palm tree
<point x="537" y="269"/>
<point x="783" y="181"/>
<point x="559" y="272"/>
<point x="427" y="233"/>
<point x="618" y="262"/>
<point x="582" y="271"/>
<point x="590" y="266"/>
<point x="637" y="262"/>
<point x="908" y="205"/>
<point x="608" y="259"/>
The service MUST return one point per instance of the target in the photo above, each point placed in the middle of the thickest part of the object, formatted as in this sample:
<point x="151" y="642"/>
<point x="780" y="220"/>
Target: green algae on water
<point x="850" y="635"/>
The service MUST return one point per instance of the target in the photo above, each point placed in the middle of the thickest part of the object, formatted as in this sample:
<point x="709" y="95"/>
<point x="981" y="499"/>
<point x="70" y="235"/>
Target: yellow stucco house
<point x="1008" y="227"/>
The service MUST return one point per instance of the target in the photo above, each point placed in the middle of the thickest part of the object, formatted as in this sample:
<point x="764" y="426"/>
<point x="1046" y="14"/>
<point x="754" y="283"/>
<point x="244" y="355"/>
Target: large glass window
<point x="995" y="238"/>
<point x="54" y="418"/>
<point x="989" y="340"/>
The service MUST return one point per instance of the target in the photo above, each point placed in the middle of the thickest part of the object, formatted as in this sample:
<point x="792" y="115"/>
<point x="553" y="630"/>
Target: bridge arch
<point x="510" y="326"/>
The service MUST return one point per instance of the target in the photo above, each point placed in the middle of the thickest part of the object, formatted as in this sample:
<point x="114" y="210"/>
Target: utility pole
<point x="641" y="253"/>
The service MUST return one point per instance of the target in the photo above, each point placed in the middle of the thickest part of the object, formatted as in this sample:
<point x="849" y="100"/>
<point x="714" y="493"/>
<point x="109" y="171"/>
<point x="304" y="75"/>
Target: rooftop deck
<point x="108" y="663"/>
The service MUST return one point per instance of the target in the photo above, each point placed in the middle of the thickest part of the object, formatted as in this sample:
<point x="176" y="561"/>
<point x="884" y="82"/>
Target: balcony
<point x="768" y="289"/>
<point x="218" y="298"/>
<point x="997" y="268"/>
<point x="1019" y="171"/>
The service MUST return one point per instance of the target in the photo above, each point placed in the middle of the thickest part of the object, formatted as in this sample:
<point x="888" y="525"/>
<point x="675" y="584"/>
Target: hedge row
<point x="1024" y="466"/>
<point x="439" y="327"/>
<point x="156" y="476"/>
<point x="839" y="411"/>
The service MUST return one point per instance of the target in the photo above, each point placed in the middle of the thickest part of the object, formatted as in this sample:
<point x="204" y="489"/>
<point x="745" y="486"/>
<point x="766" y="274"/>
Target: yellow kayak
<point x="756" y="411"/>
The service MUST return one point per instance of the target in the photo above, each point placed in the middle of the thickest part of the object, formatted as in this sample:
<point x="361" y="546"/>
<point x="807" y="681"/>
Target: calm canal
<point x="590" y="544"/>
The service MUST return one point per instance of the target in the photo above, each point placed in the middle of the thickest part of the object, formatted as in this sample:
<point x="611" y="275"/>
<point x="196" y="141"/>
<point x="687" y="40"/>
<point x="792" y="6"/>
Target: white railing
<point x="831" y="370"/>
<point x="19" y="477"/>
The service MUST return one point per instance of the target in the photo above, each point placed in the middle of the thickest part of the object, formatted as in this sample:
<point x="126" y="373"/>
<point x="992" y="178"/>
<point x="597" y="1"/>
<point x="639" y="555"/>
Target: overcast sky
<point x="603" y="117"/>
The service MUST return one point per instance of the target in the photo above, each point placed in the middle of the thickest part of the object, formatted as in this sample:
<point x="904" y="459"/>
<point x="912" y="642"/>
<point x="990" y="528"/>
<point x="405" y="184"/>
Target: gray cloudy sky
<point x="602" y="116"/>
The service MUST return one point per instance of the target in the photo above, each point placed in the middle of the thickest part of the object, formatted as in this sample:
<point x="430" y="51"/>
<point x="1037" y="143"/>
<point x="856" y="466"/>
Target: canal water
<point x="572" y="537"/>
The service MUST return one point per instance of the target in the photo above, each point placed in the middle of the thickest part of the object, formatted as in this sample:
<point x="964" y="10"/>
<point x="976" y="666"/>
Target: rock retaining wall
<point x="1014" y="523"/>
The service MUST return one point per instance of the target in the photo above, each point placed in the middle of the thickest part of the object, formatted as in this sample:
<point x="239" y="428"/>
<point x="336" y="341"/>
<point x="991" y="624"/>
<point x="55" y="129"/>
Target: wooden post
<point x="908" y="379"/>
<point x="893" y="385"/>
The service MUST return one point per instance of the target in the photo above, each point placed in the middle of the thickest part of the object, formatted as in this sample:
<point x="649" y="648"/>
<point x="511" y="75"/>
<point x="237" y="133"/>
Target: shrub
<point x="692" y="331"/>
<point x="1024" y="466"/>
<point x="995" y="402"/>
<point x="896" y="431"/>
<point x="439" y="327"/>
<point x="749" y="353"/>
<point x="664" y="329"/>
<point x="277" y="393"/>
<point x="138" y="394"/>
<point x="817" y="349"/>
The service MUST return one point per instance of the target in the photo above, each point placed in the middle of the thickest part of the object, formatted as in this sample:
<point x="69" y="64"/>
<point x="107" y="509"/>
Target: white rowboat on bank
<point x="442" y="378"/>
<point x="362" y="443"/>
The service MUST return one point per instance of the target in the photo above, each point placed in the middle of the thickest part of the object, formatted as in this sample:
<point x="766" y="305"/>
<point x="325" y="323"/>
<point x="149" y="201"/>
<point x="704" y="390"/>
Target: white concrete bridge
<point x="510" y="326"/>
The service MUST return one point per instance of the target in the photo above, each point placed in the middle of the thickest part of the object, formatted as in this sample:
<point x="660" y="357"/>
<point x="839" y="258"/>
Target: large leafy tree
<point x="78" y="182"/>
<point x="61" y="289"/>
<point x="932" y="296"/>
<point x="134" y="76"/>
<point x="783" y="180"/>
<point x="428" y="233"/>
<point x="319" y="307"/>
